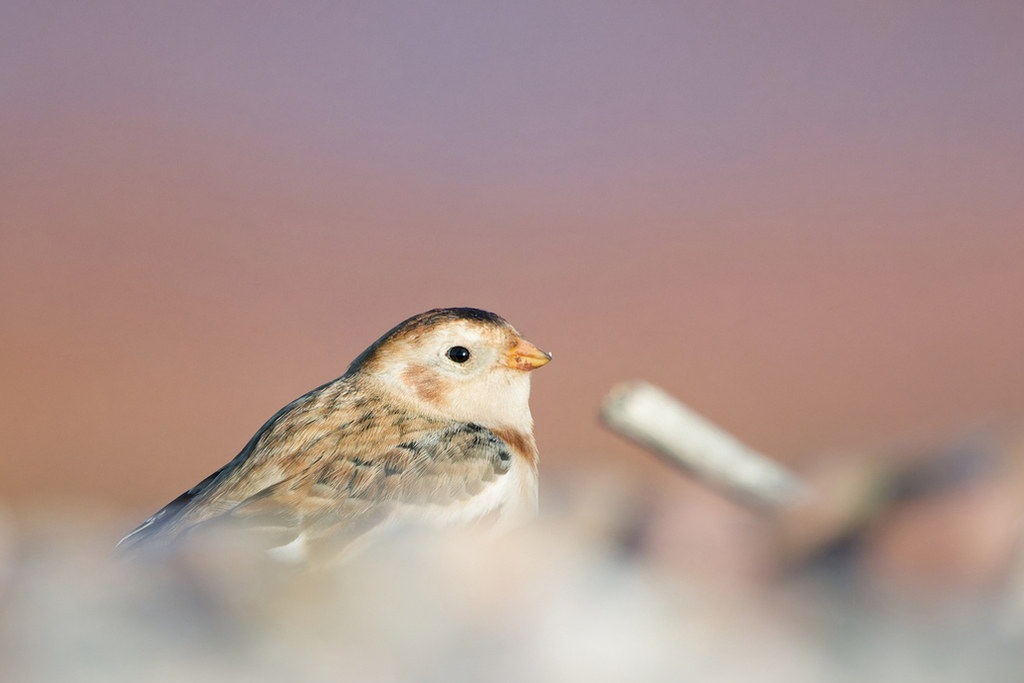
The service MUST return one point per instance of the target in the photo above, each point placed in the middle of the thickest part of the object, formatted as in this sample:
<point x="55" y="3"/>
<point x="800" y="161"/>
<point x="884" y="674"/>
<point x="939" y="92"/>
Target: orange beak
<point x="526" y="356"/>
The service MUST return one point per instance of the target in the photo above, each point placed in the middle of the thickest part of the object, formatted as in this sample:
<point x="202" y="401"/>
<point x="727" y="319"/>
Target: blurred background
<point x="804" y="220"/>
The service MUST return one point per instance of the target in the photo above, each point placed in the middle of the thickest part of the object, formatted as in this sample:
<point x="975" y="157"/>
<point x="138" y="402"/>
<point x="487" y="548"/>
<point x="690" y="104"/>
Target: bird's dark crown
<point x="422" y="321"/>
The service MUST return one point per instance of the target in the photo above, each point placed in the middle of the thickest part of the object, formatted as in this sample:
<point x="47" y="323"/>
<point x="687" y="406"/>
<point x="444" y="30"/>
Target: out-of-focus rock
<point x="934" y="523"/>
<point x="960" y="541"/>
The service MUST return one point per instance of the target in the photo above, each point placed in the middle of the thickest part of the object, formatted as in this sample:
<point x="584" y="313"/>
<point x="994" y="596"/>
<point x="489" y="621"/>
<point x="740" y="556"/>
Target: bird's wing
<point x="337" y="500"/>
<point x="334" y="465"/>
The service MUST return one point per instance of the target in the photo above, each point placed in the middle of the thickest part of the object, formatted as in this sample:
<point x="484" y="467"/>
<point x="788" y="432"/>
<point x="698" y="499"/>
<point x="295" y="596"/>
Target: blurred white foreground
<point x="572" y="597"/>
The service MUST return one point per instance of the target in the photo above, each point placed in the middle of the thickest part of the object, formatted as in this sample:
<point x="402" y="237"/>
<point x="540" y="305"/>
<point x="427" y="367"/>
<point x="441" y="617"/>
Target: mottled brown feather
<point x="345" y="470"/>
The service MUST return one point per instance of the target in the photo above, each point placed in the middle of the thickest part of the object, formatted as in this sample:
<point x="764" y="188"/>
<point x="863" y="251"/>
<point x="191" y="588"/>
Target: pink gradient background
<point x="804" y="220"/>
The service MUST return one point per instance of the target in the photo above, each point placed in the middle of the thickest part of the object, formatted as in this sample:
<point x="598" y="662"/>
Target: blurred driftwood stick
<point x="649" y="416"/>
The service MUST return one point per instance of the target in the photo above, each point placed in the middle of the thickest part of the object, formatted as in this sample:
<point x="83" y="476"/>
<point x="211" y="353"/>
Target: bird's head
<point x="460" y="363"/>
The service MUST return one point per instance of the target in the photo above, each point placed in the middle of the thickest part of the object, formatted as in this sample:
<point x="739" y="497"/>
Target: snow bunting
<point x="431" y="424"/>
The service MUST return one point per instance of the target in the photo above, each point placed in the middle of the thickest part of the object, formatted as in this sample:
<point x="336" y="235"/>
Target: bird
<point x="430" y="425"/>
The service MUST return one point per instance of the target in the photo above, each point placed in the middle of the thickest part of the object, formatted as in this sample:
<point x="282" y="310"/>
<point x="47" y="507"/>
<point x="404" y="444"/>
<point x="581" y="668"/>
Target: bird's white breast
<point x="513" y="497"/>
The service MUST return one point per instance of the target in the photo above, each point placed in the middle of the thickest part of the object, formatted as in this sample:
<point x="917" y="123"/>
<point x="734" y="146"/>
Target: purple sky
<point x="804" y="219"/>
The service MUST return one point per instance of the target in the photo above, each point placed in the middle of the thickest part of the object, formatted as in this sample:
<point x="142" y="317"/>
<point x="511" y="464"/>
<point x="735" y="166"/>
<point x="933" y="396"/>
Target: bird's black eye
<point x="458" y="354"/>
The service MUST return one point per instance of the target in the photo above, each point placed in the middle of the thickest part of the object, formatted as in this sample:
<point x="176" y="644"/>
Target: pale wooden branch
<point x="654" y="419"/>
